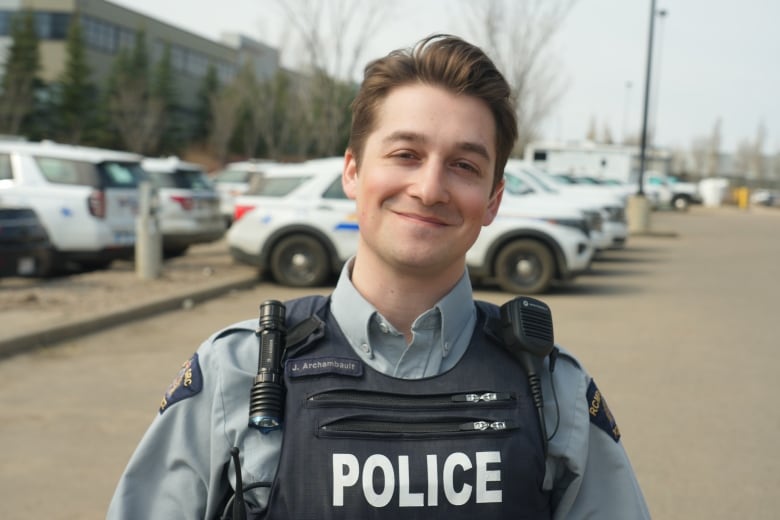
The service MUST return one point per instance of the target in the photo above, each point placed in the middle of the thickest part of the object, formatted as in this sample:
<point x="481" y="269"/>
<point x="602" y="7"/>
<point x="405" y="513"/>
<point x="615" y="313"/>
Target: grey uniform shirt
<point x="177" y="469"/>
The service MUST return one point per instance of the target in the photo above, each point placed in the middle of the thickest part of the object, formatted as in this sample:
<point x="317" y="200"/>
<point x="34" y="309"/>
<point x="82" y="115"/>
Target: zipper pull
<point x="485" y="397"/>
<point x="483" y="425"/>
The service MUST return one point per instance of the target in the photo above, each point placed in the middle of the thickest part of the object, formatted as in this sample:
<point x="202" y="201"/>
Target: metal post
<point x="643" y="141"/>
<point x="148" y="240"/>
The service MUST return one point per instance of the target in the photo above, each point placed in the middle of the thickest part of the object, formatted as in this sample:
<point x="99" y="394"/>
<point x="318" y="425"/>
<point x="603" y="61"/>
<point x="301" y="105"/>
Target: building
<point x="108" y="28"/>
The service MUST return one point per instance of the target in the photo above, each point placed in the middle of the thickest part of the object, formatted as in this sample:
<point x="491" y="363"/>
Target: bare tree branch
<point x="333" y="35"/>
<point x="225" y="105"/>
<point x="517" y="34"/>
<point x="137" y="116"/>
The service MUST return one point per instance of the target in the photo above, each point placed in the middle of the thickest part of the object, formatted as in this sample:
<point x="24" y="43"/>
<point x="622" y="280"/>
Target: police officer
<point x="400" y="398"/>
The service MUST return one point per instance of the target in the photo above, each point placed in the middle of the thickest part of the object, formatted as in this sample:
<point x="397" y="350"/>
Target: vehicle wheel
<point x="681" y="203"/>
<point x="300" y="261"/>
<point x="174" y="252"/>
<point x="95" y="265"/>
<point x="47" y="264"/>
<point x="524" y="267"/>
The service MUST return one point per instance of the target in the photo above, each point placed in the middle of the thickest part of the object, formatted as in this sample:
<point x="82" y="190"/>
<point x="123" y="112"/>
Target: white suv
<point x="588" y="198"/>
<point x="234" y="180"/>
<point x="86" y="198"/>
<point x="187" y="204"/>
<point x="299" y="225"/>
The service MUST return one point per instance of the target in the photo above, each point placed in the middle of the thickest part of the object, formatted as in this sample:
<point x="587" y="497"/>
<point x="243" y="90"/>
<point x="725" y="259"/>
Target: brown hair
<point x="439" y="60"/>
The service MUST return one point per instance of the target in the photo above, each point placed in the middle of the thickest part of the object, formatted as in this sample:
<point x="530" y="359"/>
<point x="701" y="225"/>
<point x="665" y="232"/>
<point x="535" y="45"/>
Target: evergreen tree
<point x="163" y="88"/>
<point x="204" y="118"/>
<point x="20" y="78"/>
<point x="77" y="93"/>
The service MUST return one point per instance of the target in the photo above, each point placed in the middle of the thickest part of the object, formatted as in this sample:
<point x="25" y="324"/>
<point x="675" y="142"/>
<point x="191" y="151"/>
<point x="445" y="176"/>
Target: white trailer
<point x="606" y="161"/>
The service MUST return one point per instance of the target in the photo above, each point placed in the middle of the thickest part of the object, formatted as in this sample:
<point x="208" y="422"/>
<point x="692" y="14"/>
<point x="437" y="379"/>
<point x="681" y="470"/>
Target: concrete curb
<point x="26" y="341"/>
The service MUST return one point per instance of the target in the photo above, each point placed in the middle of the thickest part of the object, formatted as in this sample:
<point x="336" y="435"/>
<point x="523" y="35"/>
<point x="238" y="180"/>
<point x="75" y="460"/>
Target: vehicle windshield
<point x="184" y="179"/>
<point x="548" y="181"/>
<point x="276" y="186"/>
<point x="516" y="186"/>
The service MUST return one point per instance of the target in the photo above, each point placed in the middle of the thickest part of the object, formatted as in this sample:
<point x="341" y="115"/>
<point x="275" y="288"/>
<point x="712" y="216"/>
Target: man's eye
<point x="404" y="155"/>
<point x="467" y="166"/>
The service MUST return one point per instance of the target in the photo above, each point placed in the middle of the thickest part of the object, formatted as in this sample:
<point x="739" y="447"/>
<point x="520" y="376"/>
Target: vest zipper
<point x="368" y="426"/>
<point x="355" y="398"/>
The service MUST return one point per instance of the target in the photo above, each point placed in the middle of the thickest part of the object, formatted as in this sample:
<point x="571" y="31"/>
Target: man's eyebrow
<point x="402" y="135"/>
<point x="474" y="147"/>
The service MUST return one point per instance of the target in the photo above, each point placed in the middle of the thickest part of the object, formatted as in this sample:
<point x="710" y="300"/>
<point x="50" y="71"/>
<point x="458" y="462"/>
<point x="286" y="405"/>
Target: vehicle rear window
<point x="232" y="176"/>
<point x="108" y="174"/>
<point x="335" y="190"/>
<point x="276" y="186"/>
<point x="120" y="174"/>
<point x="5" y="167"/>
<point x="184" y="179"/>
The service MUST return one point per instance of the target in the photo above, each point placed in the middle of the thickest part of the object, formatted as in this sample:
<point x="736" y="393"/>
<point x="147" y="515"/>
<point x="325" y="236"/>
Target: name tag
<point x="324" y="365"/>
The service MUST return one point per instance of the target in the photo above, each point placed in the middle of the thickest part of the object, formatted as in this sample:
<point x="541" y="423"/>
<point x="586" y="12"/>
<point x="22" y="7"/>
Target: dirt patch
<point x="26" y="302"/>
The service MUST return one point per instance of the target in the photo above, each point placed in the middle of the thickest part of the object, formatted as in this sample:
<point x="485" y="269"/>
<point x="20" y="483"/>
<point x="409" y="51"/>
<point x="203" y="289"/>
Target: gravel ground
<point x="29" y="303"/>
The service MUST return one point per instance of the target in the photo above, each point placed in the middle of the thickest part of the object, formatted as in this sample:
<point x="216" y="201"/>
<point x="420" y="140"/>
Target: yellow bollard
<point x="743" y="197"/>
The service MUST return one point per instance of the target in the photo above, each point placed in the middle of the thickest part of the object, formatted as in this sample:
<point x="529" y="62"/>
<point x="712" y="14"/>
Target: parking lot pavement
<point x="679" y="332"/>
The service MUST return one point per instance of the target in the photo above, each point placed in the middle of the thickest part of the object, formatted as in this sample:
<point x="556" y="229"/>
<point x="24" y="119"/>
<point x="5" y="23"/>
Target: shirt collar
<point x="354" y="315"/>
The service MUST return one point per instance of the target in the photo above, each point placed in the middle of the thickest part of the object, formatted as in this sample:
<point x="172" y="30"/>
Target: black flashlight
<point x="266" y="400"/>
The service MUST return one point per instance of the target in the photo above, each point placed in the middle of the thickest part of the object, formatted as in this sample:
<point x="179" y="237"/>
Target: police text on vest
<point x="459" y="478"/>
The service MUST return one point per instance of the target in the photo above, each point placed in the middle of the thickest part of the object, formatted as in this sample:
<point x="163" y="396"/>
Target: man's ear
<point x="349" y="178"/>
<point x="493" y="204"/>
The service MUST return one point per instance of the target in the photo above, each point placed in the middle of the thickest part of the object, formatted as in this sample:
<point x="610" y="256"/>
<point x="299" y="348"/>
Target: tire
<point x="174" y="252"/>
<point x="524" y="267"/>
<point x="681" y="203"/>
<point x="300" y="261"/>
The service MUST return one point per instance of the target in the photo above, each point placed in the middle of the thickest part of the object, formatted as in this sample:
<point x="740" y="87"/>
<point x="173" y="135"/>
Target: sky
<point x="713" y="60"/>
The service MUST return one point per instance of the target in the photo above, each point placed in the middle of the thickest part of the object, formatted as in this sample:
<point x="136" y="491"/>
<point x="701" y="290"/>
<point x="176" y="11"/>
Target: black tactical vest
<point x="362" y="445"/>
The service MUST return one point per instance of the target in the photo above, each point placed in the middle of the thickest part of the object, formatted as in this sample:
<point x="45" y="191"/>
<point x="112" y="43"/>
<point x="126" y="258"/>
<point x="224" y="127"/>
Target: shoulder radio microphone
<point x="527" y="330"/>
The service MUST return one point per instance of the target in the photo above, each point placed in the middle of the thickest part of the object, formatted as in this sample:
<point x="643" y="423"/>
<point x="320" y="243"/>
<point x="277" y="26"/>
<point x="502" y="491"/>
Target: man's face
<point x="423" y="189"/>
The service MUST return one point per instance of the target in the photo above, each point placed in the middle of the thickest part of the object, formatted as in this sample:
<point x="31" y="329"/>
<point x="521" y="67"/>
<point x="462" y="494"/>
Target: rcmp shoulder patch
<point x="188" y="382"/>
<point x="600" y="415"/>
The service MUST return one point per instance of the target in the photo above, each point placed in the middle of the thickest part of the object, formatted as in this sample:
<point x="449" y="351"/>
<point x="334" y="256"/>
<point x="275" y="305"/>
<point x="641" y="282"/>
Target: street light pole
<point x="638" y="207"/>
<point x="655" y="96"/>
<point x="643" y="140"/>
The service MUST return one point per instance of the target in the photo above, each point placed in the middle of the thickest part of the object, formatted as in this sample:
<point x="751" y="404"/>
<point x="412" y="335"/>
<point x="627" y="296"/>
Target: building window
<point x="226" y="72"/>
<point x="126" y="38"/>
<point x="197" y="64"/>
<point x="48" y="26"/>
<point x="540" y="155"/>
<point x="178" y="58"/>
<point x="5" y="23"/>
<point x="99" y="35"/>
<point x="52" y="26"/>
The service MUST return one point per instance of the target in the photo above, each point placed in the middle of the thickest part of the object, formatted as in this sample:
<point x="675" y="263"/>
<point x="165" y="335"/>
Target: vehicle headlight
<point x="577" y="223"/>
<point x="594" y="220"/>
<point x="615" y="214"/>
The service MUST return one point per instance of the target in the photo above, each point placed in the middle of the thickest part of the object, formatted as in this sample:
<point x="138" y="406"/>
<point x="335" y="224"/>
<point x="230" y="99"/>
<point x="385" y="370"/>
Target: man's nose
<point x="430" y="184"/>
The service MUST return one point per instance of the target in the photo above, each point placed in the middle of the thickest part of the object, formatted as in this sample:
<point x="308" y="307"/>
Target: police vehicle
<point x="188" y="205"/>
<point x="234" y="180"/>
<point x="612" y="207"/>
<point x="86" y="198"/>
<point x="300" y="227"/>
